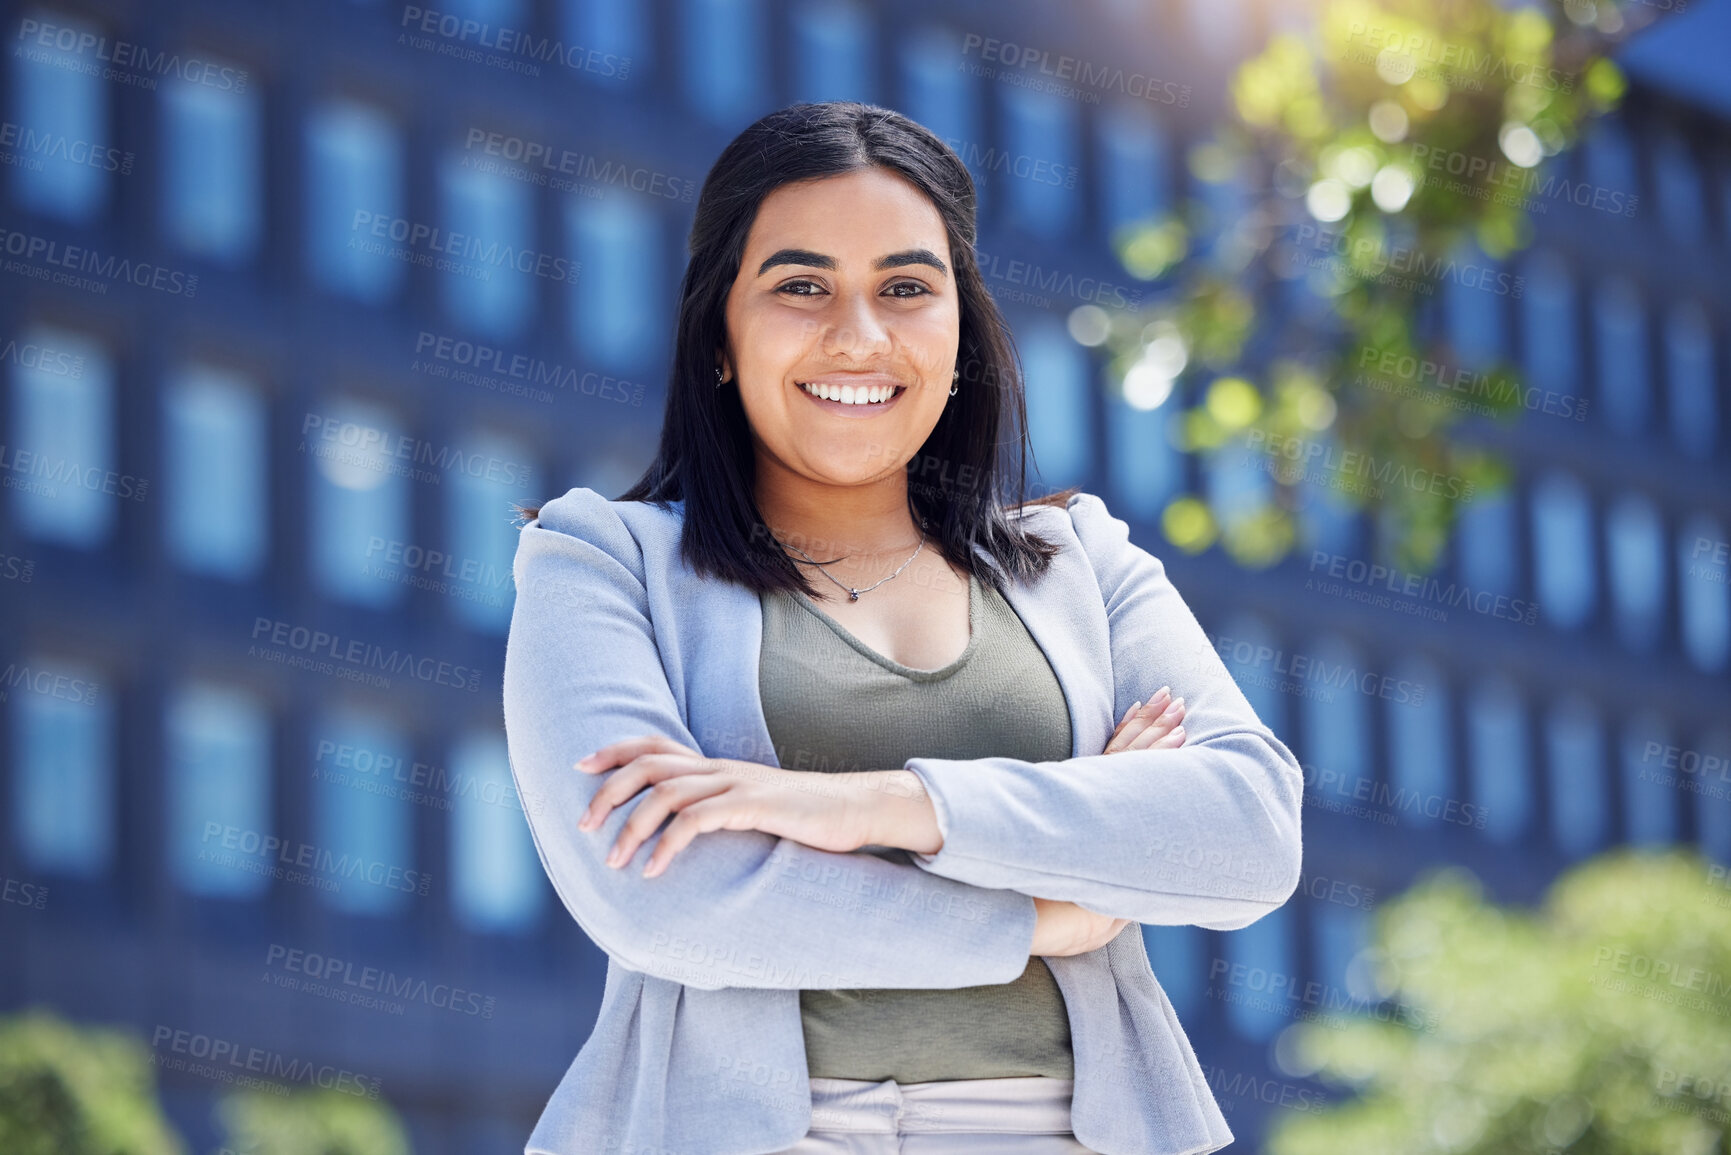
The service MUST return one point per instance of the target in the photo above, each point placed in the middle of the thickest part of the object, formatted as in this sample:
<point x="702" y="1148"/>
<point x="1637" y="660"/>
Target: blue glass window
<point x="1058" y="405"/>
<point x="834" y="56"/>
<point x="510" y="13"/>
<point x="617" y="28"/>
<point x="1677" y="183"/>
<point x="359" y="500"/>
<point x="941" y="95"/>
<point x="1237" y="484"/>
<point x="1328" y="521"/>
<point x="1575" y="762"/>
<point x="218" y="767"/>
<point x="1422" y="746"/>
<point x="496" y="878"/>
<point x="1038" y="165"/>
<point x="216" y="473"/>
<point x="354" y="189"/>
<point x="1135" y="165"/>
<point x="1713" y="813"/>
<point x="212" y="196"/>
<point x="1147" y="468"/>
<point x="1477" y="328"/>
<point x="1620" y="331"/>
<point x="1178" y="955"/>
<point x="1548" y="327"/>
<point x="1501" y="775"/>
<point x="1610" y="156"/>
<point x="1241" y="639"/>
<point x="1255" y="995"/>
<point x="1486" y="539"/>
<point x="1689" y="373"/>
<point x="1336" y="732"/>
<point x="724" y="59"/>
<point x="367" y="833"/>
<point x="60" y="109"/>
<point x="63" y="788"/>
<point x="63" y="416"/>
<point x="1649" y="794"/>
<point x="1635" y="543"/>
<point x="485" y="288"/>
<point x="615" y="306"/>
<point x="936" y="93"/>
<point x="479" y="526"/>
<point x="1341" y="933"/>
<point x="1704" y="593"/>
<point x="1563" y="549"/>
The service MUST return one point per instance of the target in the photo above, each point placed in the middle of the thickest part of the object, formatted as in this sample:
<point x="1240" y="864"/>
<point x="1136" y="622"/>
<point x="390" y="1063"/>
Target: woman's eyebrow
<point x="820" y="261"/>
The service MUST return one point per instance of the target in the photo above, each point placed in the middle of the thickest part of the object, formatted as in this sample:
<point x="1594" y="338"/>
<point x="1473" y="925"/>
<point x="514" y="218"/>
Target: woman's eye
<point x="791" y="286"/>
<point x="918" y="289"/>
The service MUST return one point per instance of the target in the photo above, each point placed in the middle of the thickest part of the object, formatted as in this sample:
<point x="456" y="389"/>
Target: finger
<point x="663" y="799"/>
<point x="1159" y="727"/>
<point x="1171" y="741"/>
<point x="1122" y="722"/>
<point x="1137" y="722"/>
<point x="1153" y="736"/>
<point x="717" y="811"/>
<point x="625" y="782"/>
<point x="623" y="751"/>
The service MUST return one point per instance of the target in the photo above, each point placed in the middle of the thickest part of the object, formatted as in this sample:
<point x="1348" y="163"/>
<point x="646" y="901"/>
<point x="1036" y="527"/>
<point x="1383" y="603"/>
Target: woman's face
<point x="846" y="283"/>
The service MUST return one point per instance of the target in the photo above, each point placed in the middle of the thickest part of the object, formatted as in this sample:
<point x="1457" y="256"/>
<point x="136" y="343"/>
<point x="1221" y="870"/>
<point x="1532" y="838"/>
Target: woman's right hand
<point x="1063" y="928"/>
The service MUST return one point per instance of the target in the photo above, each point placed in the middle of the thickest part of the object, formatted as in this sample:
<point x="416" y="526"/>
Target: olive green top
<point x="832" y="705"/>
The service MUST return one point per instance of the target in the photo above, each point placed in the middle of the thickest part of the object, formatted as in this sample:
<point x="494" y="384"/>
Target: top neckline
<point x="976" y="614"/>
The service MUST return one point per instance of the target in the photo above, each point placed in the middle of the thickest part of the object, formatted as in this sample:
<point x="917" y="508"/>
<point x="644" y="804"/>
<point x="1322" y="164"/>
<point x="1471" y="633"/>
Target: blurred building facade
<point x="295" y="302"/>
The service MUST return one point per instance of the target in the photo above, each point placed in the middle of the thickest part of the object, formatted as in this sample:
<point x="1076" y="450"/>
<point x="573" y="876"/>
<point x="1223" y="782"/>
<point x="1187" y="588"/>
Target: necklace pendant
<point x="853" y="595"/>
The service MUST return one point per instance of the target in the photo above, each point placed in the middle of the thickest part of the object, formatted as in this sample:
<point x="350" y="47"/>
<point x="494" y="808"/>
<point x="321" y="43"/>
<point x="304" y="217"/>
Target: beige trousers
<point x="1025" y="1116"/>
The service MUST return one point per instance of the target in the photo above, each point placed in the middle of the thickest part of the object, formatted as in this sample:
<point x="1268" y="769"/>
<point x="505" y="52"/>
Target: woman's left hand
<point x="823" y="811"/>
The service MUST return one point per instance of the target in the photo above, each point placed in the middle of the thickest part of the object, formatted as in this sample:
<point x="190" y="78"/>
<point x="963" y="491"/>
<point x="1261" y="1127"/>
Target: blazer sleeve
<point x="1207" y="834"/>
<point x="736" y="908"/>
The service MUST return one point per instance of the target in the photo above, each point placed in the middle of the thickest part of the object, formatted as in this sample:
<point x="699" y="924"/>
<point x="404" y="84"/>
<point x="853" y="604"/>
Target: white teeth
<point x="848" y="394"/>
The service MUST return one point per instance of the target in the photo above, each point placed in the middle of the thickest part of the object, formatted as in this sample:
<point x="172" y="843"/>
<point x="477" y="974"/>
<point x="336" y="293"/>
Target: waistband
<point x="1031" y="1105"/>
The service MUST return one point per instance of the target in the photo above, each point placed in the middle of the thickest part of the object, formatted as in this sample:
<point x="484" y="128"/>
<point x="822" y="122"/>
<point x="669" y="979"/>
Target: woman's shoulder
<point x="581" y="510"/>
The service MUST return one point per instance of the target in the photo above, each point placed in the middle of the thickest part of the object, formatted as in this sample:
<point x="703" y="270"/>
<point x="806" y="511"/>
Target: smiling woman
<point x="877" y="719"/>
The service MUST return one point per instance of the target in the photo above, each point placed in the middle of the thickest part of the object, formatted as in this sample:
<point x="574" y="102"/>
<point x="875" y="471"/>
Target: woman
<point x="817" y="727"/>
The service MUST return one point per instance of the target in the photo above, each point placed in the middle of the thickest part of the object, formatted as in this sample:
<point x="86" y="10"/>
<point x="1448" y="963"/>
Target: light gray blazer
<point x="698" y="1047"/>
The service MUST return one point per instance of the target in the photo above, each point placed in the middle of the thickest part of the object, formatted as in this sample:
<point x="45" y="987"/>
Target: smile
<point x="849" y="395"/>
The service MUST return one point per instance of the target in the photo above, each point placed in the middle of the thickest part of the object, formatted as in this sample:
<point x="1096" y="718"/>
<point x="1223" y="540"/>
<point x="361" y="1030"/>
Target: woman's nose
<point x="854" y="328"/>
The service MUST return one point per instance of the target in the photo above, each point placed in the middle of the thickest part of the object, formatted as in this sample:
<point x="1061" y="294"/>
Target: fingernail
<point x="613" y="857"/>
<point x="583" y="762"/>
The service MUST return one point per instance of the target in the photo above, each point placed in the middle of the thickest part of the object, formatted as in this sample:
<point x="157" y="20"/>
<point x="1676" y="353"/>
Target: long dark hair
<point x="956" y="481"/>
